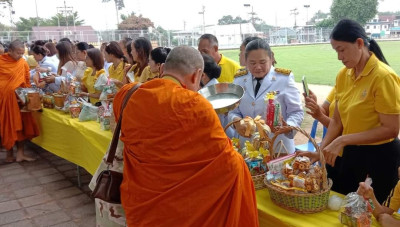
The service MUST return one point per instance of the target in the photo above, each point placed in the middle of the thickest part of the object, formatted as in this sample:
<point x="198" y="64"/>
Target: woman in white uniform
<point x="262" y="78"/>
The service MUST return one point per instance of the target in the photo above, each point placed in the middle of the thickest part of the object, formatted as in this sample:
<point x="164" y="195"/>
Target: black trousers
<point x="380" y="162"/>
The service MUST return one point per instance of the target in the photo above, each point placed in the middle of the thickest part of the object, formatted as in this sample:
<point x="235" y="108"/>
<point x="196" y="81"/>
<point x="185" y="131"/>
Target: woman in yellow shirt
<point x="365" y="123"/>
<point x="95" y="63"/>
<point x="140" y="72"/>
<point x="114" y="54"/>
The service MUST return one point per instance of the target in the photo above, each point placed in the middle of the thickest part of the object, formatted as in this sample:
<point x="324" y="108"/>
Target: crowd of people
<point x="179" y="164"/>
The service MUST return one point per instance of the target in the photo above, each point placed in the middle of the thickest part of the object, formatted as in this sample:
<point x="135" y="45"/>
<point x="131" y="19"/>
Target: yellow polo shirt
<point x="228" y="69"/>
<point x="331" y="100"/>
<point x="89" y="80"/>
<point x="393" y="200"/>
<point x="145" y="75"/>
<point x="116" y="73"/>
<point x="360" y="100"/>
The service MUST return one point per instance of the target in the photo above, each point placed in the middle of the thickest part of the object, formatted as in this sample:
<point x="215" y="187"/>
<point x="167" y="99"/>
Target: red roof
<point x="389" y="18"/>
<point x="81" y="33"/>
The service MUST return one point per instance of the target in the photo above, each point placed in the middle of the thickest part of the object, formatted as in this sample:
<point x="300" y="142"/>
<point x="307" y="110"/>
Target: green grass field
<point x="319" y="62"/>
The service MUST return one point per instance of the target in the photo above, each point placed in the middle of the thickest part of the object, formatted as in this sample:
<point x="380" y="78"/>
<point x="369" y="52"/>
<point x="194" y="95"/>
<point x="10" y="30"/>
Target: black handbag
<point x="108" y="182"/>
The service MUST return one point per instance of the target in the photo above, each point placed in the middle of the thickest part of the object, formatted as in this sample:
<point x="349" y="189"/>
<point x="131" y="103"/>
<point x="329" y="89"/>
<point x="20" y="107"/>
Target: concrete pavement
<point x="44" y="192"/>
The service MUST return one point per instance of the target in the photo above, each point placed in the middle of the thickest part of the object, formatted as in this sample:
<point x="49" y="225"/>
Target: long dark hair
<point x="97" y="58"/>
<point x="159" y="54"/>
<point x="348" y="30"/>
<point x="114" y="49"/>
<point x="65" y="54"/>
<point x="52" y="49"/>
<point x="143" y="48"/>
<point x="129" y="50"/>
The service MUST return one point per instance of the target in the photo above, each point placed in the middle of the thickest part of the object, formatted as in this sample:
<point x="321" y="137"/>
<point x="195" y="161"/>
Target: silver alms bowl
<point x="224" y="97"/>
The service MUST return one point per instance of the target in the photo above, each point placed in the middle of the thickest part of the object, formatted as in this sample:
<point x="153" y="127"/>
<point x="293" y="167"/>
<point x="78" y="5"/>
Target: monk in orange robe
<point x="180" y="168"/>
<point x="15" y="127"/>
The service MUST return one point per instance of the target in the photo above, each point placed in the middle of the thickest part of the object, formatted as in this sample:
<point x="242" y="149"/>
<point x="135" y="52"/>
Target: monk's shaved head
<point x="16" y="44"/>
<point x="183" y="60"/>
<point x="16" y="49"/>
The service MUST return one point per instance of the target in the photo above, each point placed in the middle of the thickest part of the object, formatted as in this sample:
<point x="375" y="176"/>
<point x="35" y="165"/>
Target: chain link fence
<point x="275" y="36"/>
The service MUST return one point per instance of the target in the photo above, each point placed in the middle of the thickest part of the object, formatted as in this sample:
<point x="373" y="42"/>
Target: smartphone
<point x="305" y="86"/>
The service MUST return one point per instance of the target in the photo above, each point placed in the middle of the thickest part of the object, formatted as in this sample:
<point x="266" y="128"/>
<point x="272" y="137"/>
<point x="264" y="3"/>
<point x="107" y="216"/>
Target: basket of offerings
<point x="294" y="183"/>
<point x="256" y="151"/>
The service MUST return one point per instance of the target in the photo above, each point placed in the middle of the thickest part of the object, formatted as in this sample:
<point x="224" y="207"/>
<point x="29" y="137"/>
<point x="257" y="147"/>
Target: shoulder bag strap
<point x="114" y="141"/>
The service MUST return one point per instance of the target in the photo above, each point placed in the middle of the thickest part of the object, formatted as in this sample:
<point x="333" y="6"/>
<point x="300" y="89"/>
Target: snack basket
<point x="264" y="141"/>
<point x="304" y="203"/>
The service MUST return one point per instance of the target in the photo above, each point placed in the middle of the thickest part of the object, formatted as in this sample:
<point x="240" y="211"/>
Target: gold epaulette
<point x="241" y="72"/>
<point x="283" y="71"/>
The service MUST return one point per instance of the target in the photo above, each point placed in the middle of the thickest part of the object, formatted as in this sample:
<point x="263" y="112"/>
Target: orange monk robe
<point x="14" y="125"/>
<point x="179" y="166"/>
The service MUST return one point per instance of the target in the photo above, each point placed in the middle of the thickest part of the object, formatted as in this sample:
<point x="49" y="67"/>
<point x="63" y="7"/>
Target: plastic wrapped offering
<point x="356" y="211"/>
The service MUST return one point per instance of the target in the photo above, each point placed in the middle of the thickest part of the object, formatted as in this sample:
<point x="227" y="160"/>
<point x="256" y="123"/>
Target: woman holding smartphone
<point x="365" y="124"/>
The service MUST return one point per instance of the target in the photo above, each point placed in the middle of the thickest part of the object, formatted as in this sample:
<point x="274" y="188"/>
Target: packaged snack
<point x="105" y="121"/>
<point x="250" y="125"/>
<point x="75" y="110"/>
<point x="356" y="211"/>
<point x="255" y="166"/>
<point x="276" y="166"/>
<point x="301" y="163"/>
<point x="48" y="101"/>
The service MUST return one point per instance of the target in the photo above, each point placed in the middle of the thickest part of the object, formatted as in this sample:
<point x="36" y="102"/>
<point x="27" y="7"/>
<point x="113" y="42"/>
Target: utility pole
<point x="295" y="13"/>
<point x="116" y="9"/>
<point x="37" y="15"/>
<point x="204" y="23"/>
<point x="66" y="10"/>
<point x="252" y="13"/>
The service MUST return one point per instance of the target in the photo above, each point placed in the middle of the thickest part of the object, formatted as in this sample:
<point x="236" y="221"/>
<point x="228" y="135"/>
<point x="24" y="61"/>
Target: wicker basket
<point x="265" y="141"/>
<point x="305" y="203"/>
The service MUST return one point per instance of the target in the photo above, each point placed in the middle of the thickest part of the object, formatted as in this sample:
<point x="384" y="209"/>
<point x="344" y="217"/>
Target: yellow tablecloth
<point x="82" y="143"/>
<point x="270" y="214"/>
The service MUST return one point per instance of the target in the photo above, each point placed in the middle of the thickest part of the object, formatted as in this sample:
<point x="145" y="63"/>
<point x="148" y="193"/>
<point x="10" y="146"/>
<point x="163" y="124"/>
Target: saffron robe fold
<point x="180" y="168"/>
<point x="14" y="125"/>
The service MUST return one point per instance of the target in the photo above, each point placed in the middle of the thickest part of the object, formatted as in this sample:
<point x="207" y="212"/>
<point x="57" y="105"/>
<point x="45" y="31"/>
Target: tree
<point x="358" y="10"/>
<point x="136" y="23"/>
<point x="326" y="23"/>
<point x="228" y="19"/>
<point x="54" y="20"/>
<point x="319" y="15"/>
<point x="124" y="17"/>
<point x="260" y="25"/>
<point x="26" y="24"/>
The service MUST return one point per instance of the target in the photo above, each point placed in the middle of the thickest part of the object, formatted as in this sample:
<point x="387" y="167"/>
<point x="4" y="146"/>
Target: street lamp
<point x="308" y="38"/>
<point x="204" y="23"/>
<point x="307" y="6"/>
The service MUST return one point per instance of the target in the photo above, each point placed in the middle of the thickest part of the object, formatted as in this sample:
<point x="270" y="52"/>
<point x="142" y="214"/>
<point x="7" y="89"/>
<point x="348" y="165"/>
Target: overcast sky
<point x="171" y="14"/>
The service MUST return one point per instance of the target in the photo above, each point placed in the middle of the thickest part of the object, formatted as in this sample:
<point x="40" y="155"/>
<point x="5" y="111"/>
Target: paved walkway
<point x="44" y="193"/>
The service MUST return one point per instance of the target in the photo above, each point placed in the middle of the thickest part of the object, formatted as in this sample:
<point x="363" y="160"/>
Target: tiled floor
<point x="44" y="192"/>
